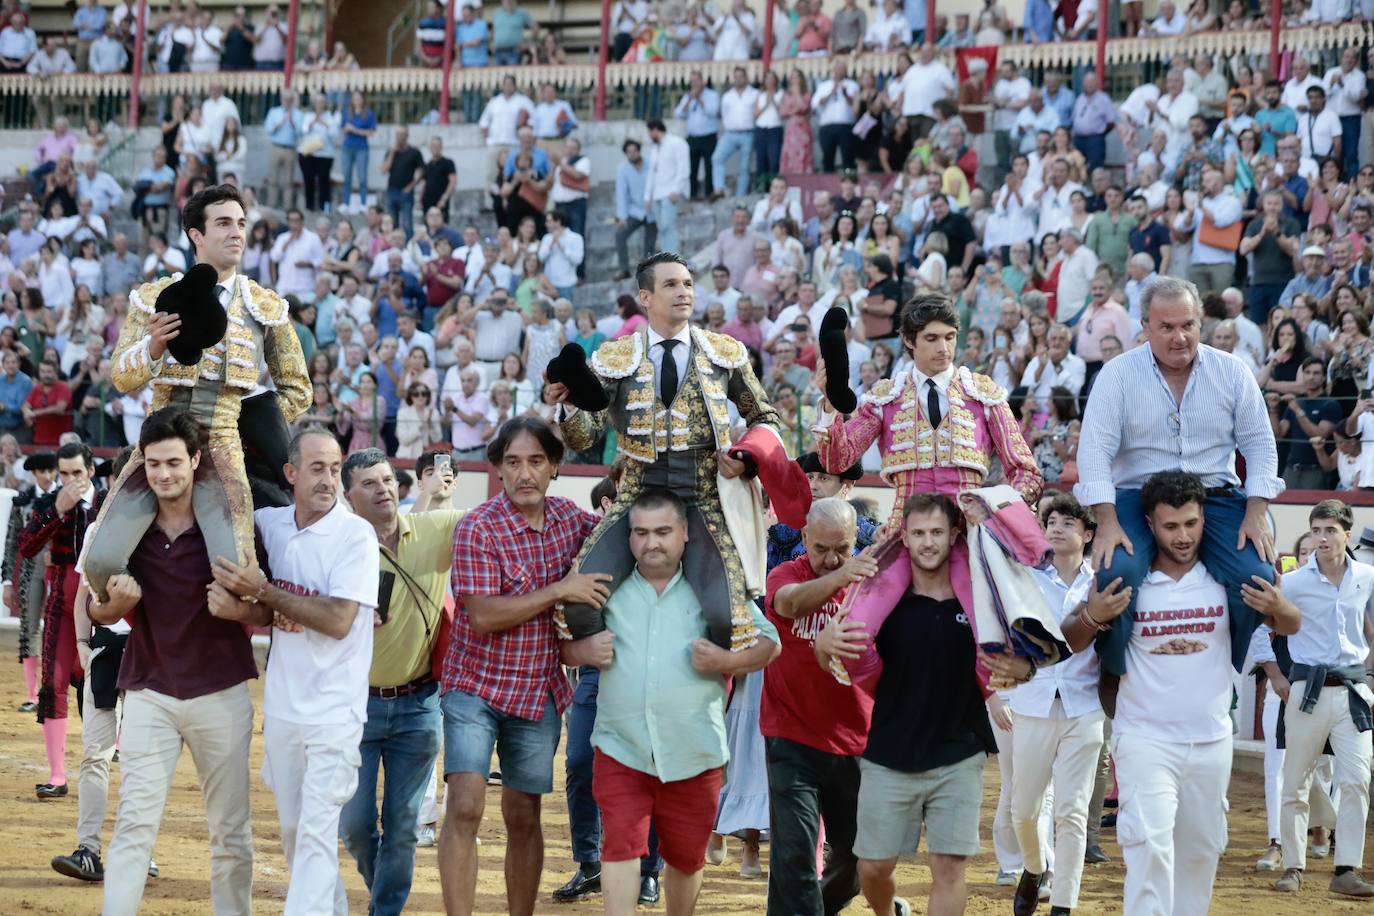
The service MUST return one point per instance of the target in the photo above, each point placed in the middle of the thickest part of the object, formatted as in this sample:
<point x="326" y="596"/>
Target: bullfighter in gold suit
<point x="667" y="391"/>
<point x="201" y="341"/>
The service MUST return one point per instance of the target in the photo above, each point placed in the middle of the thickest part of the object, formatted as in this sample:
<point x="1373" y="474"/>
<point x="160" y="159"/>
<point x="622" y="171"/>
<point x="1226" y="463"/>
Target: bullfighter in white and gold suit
<point x="211" y="387"/>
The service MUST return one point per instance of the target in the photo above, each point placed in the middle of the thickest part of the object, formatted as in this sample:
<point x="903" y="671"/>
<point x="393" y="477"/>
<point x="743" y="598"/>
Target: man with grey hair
<point x="1055" y="366"/>
<point x="1214" y="268"/>
<point x="1075" y="275"/>
<point x="813" y="736"/>
<point x="1225" y="339"/>
<point x="1177" y="404"/>
<point x="466" y="407"/>
<point x="1140" y="273"/>
<point x="1248" y="334"/>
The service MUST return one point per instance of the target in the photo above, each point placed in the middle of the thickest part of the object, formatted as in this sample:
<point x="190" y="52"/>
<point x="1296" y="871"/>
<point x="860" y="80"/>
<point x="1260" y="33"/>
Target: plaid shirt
<point x="496" y="552"/>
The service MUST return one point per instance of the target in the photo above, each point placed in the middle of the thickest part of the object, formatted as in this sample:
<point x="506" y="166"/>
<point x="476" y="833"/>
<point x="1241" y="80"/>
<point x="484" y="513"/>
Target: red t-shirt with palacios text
<point x="803" y="702"/>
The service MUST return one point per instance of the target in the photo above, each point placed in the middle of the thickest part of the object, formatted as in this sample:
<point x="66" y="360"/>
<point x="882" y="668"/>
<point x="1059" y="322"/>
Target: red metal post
<point x="1102" y="46"/>
<point x="292" y="21"/>
<point x="603" y="55"/>
<point x="447" y="65"/>
<point x="1275" y="20"/>
<point x="136" y="78"/>
<point x="930" y="22"/>
<point x="767" y="38"/>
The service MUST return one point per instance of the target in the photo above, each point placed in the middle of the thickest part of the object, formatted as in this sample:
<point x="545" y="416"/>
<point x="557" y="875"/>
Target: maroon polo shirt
<point x="177" y="647"/>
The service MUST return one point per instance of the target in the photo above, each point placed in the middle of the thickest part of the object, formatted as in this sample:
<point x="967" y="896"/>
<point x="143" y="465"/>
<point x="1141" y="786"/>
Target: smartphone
<point x="442" y="463"/>
<point x="1288" y="564"/>
<point x="1366" y="393"/>
<point x="800" y="326"/>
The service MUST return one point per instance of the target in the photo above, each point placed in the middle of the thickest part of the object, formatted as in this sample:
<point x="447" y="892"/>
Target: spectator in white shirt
<point x="733" y="32"/>
<point x="667" y="184"/>
<point x="162" y="260"/>
<point x="1052" y="199"/>
<point x="503" y="115"/>
<point x="924" y="83"/>
<point x="216" y="111"/>
<point x="737" y="121"/>
<point x="207" y="44"/>
<point x="1295" y="90"/>
<point x="1173" y="110"/>
<point x="1319" y="130"/>
<point x="1010" y="95"/>
<point x="104" y="192"/>
<point x="553" y="117"/>
<point x="1170" y="21"/>
<point x="50" y="61"/>
<point x="561" y="251"/>
<point x="269" y="42"/>
<point x="295" y="257"/>
<point x="1213" y="269"/>
<point x="1345" y="92"/>
<point x="833" y="101"/>
<point x="1056" y="367"/>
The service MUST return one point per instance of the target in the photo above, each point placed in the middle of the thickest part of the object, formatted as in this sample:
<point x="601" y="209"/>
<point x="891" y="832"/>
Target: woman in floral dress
<point x="796" y="136"/>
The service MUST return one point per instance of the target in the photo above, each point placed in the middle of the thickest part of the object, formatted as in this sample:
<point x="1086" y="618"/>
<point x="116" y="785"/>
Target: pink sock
<point x="820" y="851"/>
<point x="55" y="741"/>
<point x="31" y="677"/>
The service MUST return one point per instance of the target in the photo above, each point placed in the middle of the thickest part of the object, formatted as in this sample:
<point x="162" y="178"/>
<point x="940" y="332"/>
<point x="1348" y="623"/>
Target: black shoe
<point x="584" y="882"/>
<point x="648" y="889"/>
<point x="1109" y="821"/>
<point x="494" y="778"/>
<point x="48" y="790"/>
<point x="28" y="707"/>
<point x="84" y="865"/>
<point x="1027" y="894"/>
<point x="1060" y="911"/>
<point x="1094" y="855"/>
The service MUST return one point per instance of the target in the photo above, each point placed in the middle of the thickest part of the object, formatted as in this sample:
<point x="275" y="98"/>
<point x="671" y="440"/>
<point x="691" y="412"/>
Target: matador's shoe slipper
<point x="835" y="351"/>
<point x="203" y="320"/>
<point x="570" y="369"/>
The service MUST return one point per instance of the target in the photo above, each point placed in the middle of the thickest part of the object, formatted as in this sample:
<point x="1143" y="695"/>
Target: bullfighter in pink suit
<point x="938" y="428"/>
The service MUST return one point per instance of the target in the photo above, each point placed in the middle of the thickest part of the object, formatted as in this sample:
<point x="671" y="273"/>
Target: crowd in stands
<point x="421" y="329"/>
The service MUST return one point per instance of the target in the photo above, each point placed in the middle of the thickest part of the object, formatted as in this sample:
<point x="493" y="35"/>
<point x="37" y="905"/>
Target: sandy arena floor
<point x="37" y="830"/>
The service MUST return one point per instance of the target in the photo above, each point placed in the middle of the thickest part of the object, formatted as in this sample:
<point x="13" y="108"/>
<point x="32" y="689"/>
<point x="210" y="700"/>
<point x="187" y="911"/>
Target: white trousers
<point x="1063" y="751"/>
<point x="1004" y="841"/>
<point x="217" y="728"/>
<point x="1306" y="733"/>
<point x="1171" y="822"/>
<point x="99" y="731"/>
<point x="1321" y="813"/>
<point x="313" y="771"/>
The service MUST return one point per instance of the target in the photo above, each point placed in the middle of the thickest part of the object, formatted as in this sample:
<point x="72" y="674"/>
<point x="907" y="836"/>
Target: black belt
<point x="405" y="690"/>
<point x="1218" y="492"/>
<point x="1333" y="680"/>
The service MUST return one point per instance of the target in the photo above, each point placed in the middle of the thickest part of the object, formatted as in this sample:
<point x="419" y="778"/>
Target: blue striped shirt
<point x="1133" y="428"/>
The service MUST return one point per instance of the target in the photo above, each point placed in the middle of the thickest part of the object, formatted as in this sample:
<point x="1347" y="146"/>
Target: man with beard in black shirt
<point x="957" y="229"/>
<point x="923" y="768"/>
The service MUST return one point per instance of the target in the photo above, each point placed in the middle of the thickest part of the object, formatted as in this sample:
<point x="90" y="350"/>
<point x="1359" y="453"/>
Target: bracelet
<point x="1033" y="668"/>
<point x="256" y="596"/>
<point x="1088" y="621"/>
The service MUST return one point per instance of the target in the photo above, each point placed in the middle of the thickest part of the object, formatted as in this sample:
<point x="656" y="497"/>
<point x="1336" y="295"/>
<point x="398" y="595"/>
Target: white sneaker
<point x="1046" y="884"/>
<point x="1272" y="858"/>
<point x="900" y="906"/>
<point x="1008" y="878"/>
<point x="425" y="837"/>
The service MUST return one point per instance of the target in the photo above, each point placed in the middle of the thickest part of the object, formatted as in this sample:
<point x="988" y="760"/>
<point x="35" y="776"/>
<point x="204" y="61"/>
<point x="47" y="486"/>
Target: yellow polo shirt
<point x="401" y="647"/>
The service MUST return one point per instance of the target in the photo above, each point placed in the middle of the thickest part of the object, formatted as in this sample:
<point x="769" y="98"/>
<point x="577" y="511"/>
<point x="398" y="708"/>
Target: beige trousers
<point x="217" y="728"/>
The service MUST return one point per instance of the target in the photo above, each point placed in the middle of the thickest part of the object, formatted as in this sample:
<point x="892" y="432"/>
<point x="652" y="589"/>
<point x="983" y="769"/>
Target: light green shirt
<point x="654" y="712"/>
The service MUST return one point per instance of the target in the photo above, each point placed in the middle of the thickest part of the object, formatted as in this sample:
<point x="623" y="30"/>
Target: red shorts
<point x="683" y="811"/>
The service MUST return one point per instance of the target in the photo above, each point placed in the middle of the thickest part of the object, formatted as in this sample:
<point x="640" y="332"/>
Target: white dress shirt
<point x="656" y="350"/>
<point x="1054" y="208"/>
<point x="1073" y="680"/>
<point x="286" y="252"/>
<point x="668" y="170"/>
<point x="835" y="105"/>
<point x="1344" y="100"/>
<point x="922" y="86"/>
<point x="1173" y="114"/>
<point x="501" y="118"/>
<point x="1069" y="374"/>
<point x="1295" y="92"/>
<point x="941" y="381"/>
<point x="1133" y="428"/>
<point x="737" y="108"/>
<point x="560" y="256"/>
<point x="1332" y="631"/>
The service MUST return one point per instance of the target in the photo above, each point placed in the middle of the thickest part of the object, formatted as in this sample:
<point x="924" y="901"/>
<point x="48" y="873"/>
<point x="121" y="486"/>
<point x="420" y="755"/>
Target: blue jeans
<point x="1350" y="145"/>
<point x="402" y="735"/>
<point x="1094" y="149"/>
<point x="584" y="817"/>
<point x="768" y="150"/>
<point x="473" y="727"/>
<point x="731" y="142"/>
<point x="401" y="206"/>
<point x="505" y="57"/>
<point x="1222" y="516"/>
<point x="1263" y="298"/>
<point x="354" y="158"/>
<point x="473" y="103"/>
<point x="665" y="215"/>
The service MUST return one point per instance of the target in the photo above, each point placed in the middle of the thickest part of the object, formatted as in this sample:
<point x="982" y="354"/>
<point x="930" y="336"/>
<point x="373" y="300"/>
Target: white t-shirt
<point x="314" y="679"/>
<point x="1177" y="685"/>
<point x="1318" y="134"/>
<point x="922" y="86"/>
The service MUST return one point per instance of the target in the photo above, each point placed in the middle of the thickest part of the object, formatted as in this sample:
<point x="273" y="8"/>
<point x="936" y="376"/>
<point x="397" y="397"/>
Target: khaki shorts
<point x="895" y="807"/>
